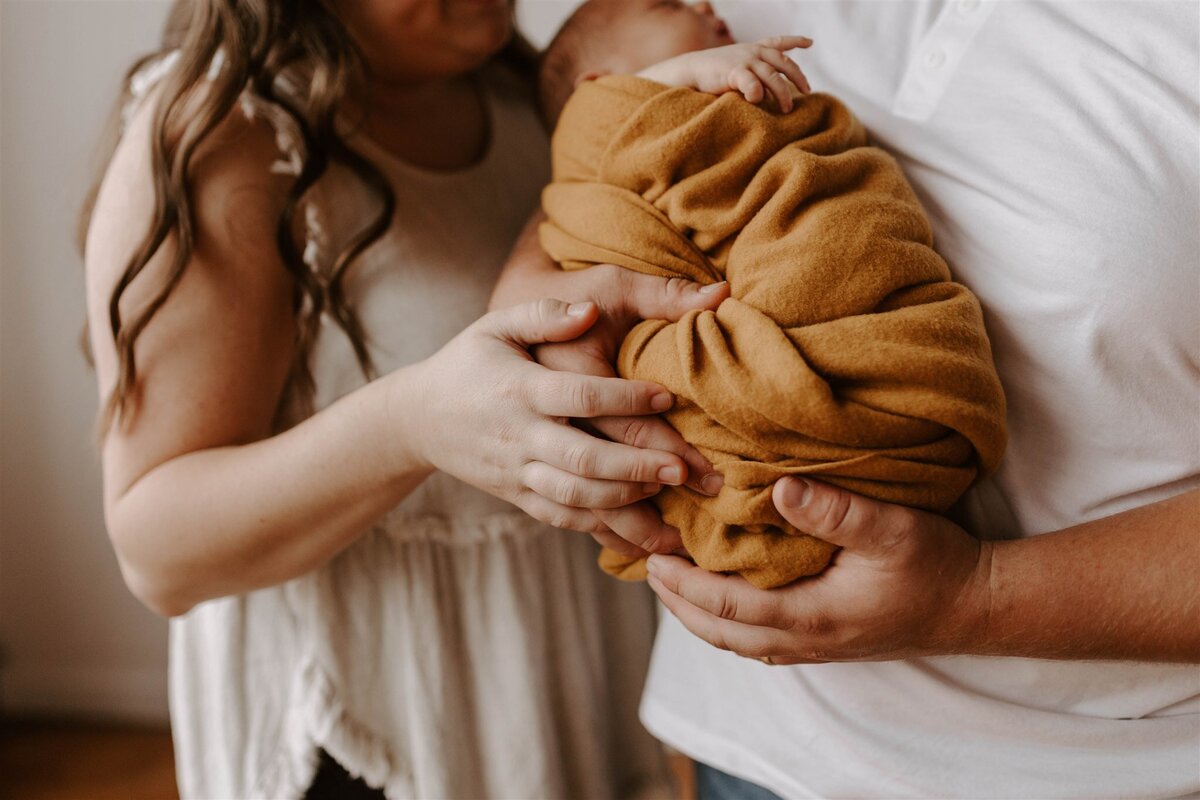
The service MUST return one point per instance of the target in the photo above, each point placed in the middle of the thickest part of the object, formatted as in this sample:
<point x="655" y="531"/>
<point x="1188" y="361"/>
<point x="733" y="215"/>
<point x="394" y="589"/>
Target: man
<point x="1054" y="146"/>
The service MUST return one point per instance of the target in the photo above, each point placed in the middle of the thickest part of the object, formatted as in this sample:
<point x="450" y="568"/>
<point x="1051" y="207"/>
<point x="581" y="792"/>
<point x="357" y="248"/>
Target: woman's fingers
<point x="581" y="454"/>
<point x="652" y="433"/>
<point x="574" y="491"/>
<point x="641" y="525"/>
<point x="564" y="394"/>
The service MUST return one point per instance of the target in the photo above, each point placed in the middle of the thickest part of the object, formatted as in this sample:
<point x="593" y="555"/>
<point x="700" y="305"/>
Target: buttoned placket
<point x="936" y="59"/>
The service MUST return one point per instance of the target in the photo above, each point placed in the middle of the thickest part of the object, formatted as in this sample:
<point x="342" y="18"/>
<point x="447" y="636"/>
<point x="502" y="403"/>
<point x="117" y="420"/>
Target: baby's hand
<point x="752" y="69"/>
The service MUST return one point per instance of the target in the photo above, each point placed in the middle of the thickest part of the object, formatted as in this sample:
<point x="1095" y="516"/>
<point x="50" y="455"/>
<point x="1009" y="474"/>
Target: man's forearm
<point x="1124" y="587"/>
<point x="527" y="265"/>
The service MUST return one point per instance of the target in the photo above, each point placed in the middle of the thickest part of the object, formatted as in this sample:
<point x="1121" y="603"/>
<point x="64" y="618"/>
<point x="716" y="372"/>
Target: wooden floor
<point x="42" y="760"/>
<point x="84" y="761"/>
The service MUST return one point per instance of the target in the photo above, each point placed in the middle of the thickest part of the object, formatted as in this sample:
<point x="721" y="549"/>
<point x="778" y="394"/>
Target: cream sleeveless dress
<point x="459" y="649"/>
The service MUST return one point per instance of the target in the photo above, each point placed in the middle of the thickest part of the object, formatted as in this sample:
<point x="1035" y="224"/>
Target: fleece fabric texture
<point x="845" y="351"/>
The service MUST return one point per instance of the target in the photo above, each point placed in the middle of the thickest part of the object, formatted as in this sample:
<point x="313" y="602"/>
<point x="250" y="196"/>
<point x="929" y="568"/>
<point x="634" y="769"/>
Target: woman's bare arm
<point x="202" y="501"/>
<point x="199" y="502"/>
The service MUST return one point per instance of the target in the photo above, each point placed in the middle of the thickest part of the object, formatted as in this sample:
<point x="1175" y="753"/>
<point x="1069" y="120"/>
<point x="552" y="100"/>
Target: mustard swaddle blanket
<point x="845" y="351"/>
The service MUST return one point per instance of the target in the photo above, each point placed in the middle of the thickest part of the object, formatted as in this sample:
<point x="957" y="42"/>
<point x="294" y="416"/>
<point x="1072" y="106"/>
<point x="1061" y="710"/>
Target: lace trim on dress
<point x="317" y="720"/>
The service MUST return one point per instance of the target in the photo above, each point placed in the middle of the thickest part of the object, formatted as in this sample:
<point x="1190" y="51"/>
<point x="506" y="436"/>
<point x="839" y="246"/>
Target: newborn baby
<point x="845" y="352"/>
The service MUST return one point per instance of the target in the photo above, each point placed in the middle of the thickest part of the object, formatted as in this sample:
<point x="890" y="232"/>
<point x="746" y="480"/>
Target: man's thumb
<point x="836" y="515"/>
<point x="542" y="321"/>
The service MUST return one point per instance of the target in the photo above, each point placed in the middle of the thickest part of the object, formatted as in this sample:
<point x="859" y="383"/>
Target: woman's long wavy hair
<point x="256" y="42"/>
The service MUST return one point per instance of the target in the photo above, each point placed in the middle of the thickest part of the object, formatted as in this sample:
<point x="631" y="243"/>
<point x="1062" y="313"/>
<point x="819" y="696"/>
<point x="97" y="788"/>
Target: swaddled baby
<point x="845" y="352"/>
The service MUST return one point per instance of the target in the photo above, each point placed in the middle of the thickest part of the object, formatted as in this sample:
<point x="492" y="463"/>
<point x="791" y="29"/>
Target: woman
<point x="307" y="195"/>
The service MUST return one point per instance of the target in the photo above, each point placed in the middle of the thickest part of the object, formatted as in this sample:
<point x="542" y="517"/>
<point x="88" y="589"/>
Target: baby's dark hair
<point x="574" y="48"/>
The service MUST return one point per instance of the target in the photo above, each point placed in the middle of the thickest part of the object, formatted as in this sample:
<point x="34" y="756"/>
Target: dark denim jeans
<point x="712" y="784"/>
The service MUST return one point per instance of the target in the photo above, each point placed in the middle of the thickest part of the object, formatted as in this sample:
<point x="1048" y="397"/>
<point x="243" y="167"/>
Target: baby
<point x="845" y="352"/>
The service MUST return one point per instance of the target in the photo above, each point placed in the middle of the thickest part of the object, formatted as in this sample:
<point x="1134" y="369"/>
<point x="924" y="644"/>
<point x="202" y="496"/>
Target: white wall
<point x="72" y="639"/>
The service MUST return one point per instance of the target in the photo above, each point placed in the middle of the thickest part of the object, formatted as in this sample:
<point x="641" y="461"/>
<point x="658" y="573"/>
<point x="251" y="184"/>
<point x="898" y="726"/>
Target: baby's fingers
<point x="743" y="80"/>
<point x="788" y="67"/>
<point x="775" y="83"/>
<point x="786" y="42"/>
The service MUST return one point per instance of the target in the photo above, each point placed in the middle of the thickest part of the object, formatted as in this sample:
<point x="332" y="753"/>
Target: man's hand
<point x="905" y="584"/>
<point x="751" y="69"/>
<point x="908" y="584"/>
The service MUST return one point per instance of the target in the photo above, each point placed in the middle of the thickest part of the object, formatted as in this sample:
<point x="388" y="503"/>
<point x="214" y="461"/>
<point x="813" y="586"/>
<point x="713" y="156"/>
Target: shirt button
<point x="935" y="58"/>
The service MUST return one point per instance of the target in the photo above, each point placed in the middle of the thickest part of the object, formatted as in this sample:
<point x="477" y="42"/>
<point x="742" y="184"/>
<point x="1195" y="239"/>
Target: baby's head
<point x="624" y="37"/>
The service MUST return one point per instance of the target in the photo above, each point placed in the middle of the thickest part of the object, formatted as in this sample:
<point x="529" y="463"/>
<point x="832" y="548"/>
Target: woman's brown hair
<point x="256" y="44"/>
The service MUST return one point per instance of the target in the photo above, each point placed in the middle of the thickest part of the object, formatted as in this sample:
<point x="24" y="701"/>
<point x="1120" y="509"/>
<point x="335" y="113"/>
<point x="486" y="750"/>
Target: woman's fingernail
<point x="713" y="288"/>
<point x="661" y="401"/>
<point x="671" y="475"/>
<point x="712" y="483"/>
<point x="579" y="309"/>
<point x="652" y="566"/>
<point x="651" y="488"/>
<point x="796" y="492"/>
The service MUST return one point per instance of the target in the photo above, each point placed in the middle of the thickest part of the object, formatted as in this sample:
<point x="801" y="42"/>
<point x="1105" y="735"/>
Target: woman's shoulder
<point x="234" y="159"/>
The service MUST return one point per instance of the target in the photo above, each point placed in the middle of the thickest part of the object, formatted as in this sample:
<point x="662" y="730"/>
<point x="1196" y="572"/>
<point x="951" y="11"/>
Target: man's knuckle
<point x="835" y="512"/>
<point x="816" y="624"/>
<point x="728" y="607"/>
<point x="636" y="433"/>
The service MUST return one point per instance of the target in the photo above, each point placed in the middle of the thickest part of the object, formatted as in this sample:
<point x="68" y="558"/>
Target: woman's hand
<point x="905" y="584"/>
<point x="492" y="417"/>
<point x="624" y="298"/>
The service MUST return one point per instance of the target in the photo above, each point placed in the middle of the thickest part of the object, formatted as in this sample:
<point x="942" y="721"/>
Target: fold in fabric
<point x="845" y="351"/>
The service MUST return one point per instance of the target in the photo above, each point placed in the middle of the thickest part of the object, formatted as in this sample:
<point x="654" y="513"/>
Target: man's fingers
<point x="613" y="542"/>
<point x="576" y="356"/>
<point x="557" y="515"/>
<point x="726" y="596"/>
<point x="544" y="320"/>
<point x="747" y="640"/>
<point x="843" y="518"/>
<point x="641" y="525"/>
<point x="653" y="433"/>
<point x="652" y="297"/>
